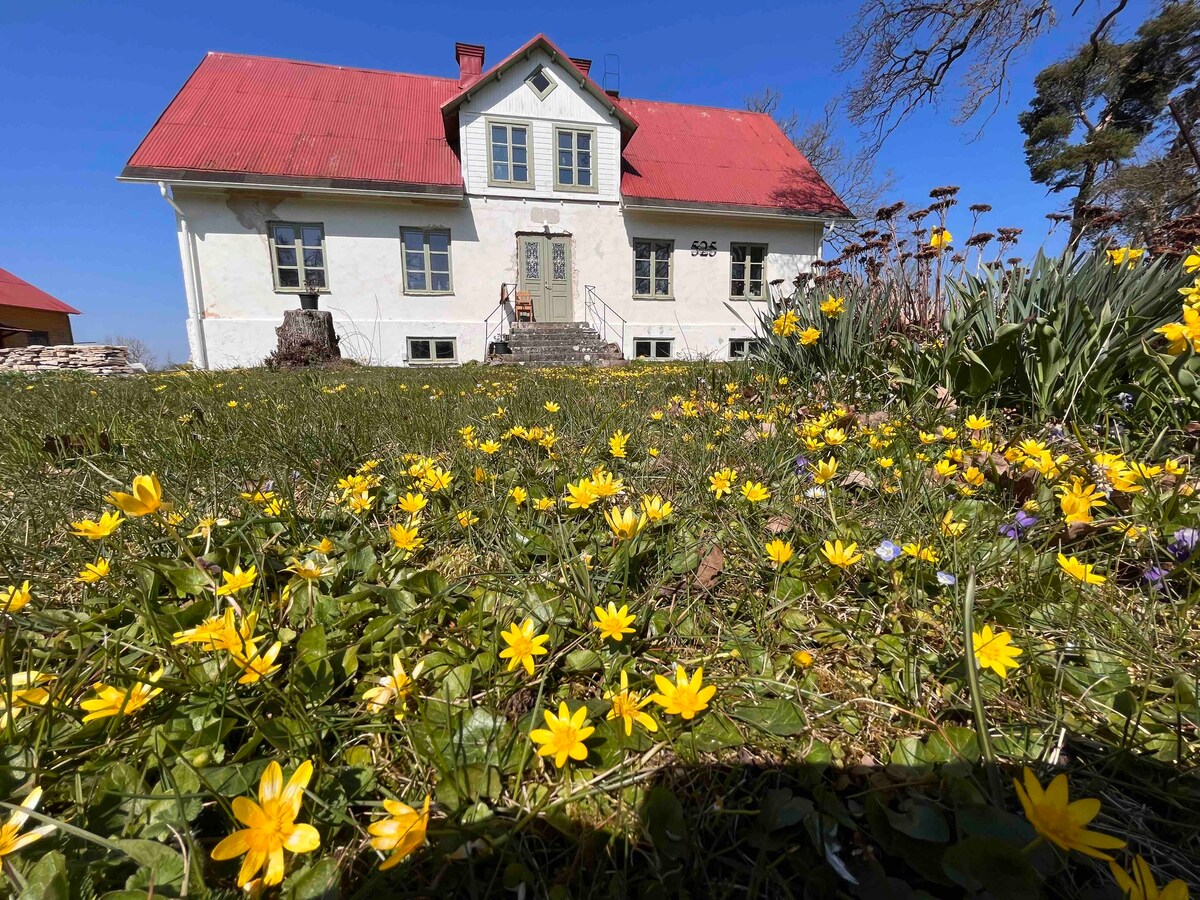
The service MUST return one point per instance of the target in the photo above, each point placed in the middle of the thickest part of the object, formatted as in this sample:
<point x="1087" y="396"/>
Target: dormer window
<point x="540" y="82"/>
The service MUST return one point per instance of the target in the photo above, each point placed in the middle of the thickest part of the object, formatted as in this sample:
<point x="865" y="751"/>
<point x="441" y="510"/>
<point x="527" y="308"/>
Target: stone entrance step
<point x="557" y="344"/>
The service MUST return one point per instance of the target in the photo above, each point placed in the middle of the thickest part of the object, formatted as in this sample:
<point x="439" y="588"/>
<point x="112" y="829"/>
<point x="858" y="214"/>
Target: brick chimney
<point x="470" y="62"/>
<point x="584" y="65"/>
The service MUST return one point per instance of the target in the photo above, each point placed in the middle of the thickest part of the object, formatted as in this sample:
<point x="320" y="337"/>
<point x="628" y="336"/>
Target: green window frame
<point x="653" y="348"/>
<point x="747" y="271"/>
<point x="653" y="269"/>
<point x="510" y="153"/>
<point x="299" y="264"/>
<point x="432" y="351"/>
<point x="425" y="260"/>
<point x="574" y="159"/>
<point x="541" y="74"/>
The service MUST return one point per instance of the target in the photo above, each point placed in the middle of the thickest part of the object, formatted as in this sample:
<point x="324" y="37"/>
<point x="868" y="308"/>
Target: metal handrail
<point x="503" y="314"/>
<point x="601" y="312"/>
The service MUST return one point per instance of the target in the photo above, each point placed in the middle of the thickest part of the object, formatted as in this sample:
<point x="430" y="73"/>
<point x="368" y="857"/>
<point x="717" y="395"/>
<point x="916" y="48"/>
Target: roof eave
<point x="248" y="180"/>
<point x="705" y="208"/>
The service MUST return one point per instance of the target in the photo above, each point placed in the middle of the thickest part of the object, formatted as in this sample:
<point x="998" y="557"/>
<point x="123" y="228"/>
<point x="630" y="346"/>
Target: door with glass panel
<point x="545" y="272"/>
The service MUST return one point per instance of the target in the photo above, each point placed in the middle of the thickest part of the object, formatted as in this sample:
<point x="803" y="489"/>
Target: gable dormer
<point x="536" y="125"/>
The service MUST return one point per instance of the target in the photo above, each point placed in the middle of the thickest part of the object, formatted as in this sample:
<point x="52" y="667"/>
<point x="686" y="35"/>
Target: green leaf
<point x="47" y="880"/>
<point x="979" y="864"/>
<point x="320" y="882"/>
<point x="583" y="661"/>
<point x="312" y="671"/>
<point x="666" y="822"/>
<point x="161" y="866"/>
<point x="776" y="715"/>
<point x="921" y="821"/>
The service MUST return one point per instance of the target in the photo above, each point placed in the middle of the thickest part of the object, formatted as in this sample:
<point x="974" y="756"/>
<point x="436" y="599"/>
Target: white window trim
<point x="509" y="123"/>
<point x="670" y="342"/>
<point x="433" y="360"/>
<point x="425" y="233"/>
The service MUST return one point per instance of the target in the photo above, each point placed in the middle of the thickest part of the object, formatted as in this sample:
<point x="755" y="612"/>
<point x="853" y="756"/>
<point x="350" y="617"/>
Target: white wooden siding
<point x="567" y="104"/>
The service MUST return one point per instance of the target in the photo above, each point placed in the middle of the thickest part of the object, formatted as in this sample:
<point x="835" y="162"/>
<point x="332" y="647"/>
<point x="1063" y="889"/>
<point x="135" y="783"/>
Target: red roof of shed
<point x="251" y="118"/>
<point x="15" y="291"/>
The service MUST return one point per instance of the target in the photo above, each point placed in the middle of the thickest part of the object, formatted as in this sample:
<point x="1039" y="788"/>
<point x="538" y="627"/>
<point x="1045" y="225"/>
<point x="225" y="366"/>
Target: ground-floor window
<point x="298" y="256"/>
<point x="432" y="350"/>
<point x="746" y="265"/>
<point x="39" y="338"/>
<point x="743" y="347"/>
<point x="653" y="348"/>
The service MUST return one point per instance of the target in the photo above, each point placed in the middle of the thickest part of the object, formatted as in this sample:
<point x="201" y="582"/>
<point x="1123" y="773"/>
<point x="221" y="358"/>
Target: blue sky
<point x="82" y="82"/>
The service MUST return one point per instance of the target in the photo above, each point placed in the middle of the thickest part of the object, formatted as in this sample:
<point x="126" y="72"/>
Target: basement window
<point x="540" y="82"/>
<point x="653" y="348"/>
<point x="432" y="351"/>
<point x="740" y="348"/>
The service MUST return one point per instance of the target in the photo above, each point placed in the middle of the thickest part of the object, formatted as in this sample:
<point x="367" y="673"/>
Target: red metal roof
<point x="247" y="117"/>
<point x="15" y="291"/>
<point x="701" y="154"/>
<point x="276" y="117"/>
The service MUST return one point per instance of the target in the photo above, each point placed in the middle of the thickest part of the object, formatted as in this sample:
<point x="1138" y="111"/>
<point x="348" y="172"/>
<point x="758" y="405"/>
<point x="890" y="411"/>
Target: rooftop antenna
<point x="612" y="74"/>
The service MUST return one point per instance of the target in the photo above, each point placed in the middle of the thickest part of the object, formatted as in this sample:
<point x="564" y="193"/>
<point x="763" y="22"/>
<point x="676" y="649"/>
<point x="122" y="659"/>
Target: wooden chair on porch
<point x="523" y="308"/>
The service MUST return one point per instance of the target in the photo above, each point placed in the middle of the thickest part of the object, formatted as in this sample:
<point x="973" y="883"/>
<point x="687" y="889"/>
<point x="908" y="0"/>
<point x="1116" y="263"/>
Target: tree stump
<point x="306" y="338"/>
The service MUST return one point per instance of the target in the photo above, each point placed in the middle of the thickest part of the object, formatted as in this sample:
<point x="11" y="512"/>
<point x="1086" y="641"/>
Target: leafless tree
<point x="849" y="171"/>
<point x="136" y="350"/>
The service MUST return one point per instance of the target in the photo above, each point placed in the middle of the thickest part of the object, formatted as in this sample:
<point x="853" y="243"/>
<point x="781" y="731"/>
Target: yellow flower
<point x="833" y="306"/>
<point x="616" y="444"/>
<point x="940" y="238"/>
<point x="412" y="503"/>
<point x="220" y="632"/>
<point x="581" y="495"/>
<point x="1060" y="821"/>
<point x="779" y="552"/>
<point x="550" y="406"/>
<point x="977" y="423"/>
<point x="437" y="479"/>
<point x="1142" y="887"/>
<point x="13" y="598"/>
<point x="842" y="557"/>
<point x="624" y="523"/>
<point x="721" y="483"/>
<point x="10" y="840"/>
<point x="395" y="687"/>
<point x="755" y="492"/>
<point x="204" y="528"/>
<point x="1123" y="255"/>
<point x="951" y="528"/>
<point x="466" y="518"/>
<point x="145" y="499"/>
<point x="544" y="504"/>
<point x="786" y="324"/>
<point x="627" y="706"/>
<point x="237" y="581"/>
<point x="255" y="665"/>
<point x="802" y="659"/>
<point x="111" y="701"/>
<point x="826" y="470"/>
<point x="563" y="735"/>
<point x="920" y="551"/>
<point x="612" y="622"/>
<point x="685" y="697"/>
<point x="93" y="572"/>
<point x="945" y="468"/>
<point x="95" y="531"/>
<point x="885" y="462"/>
<point x="1191" y="262"/>
<point x="809" y="336"/>
<point x="1077" y="502"/>
<point x="656" y="509"/>
<point x="404" y="538"/>
<point x="402" y="832"/>
<point x="519" y="495"/>
<point x="307" y="569"/>
<point x="523" y="645"/>
<point x="271" y="826"/>
<point x="490" y="447"/>
<point x="1080" y="571"/>
<point x="994" y="650"/>
<point x="24" y="690"/>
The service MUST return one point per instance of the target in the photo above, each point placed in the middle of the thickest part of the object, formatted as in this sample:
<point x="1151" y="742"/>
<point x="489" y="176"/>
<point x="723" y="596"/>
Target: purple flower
<point x="801" y="465"/>
<point x="1156" y="577"/>
<point x="1184" y="543"/>
<point x="946" y="579"/>
<point x="1015" y="529"/>
<point x="887" y="551"/>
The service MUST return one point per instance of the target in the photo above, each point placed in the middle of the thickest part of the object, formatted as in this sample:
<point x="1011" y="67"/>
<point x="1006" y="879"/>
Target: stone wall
<point x="95" y="359"/>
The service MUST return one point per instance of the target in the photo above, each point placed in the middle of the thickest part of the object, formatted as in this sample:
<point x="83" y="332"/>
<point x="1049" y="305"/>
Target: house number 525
<point x="704" y="248"/>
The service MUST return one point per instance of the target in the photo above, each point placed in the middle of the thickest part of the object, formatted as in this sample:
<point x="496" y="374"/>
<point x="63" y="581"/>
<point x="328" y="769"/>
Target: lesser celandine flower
<point x="581" y="495"/>
<point x="402" y="832"/>
<point x="523" y="645"/>
<point x="564" y="735"/>
<point x="13" y="598"/>
<point x="237" y="581"/>
<point x="544" y="504"/>
<point x="307" y="569"/>
<point x="755" y="492"/>
<point x="920" y="551"/>
<point x="721" y="482"/>
<point x="656" y="509"/>
<point x="1080" y="571"/>
<point x="405" y="538"/>
<point x="778" y="552"/>
<point x="841" y="556"/>
<point x="613" y="623"/>
<point x="111" y="701"/>
<point x="11" y="840"/>
<point x="1060" y="821"/>
<point x="437" y="479"/>
<point x="145" y="497"/>
<point x="489" y="447"/>
<point x="466" y="518"/>
<point x="93" y="572"/>
<point x="271" y="826"/>
<point x="550" y="406"/>
<point x="625" y="524"/>
<point x="412" y="503"/>
<point x="393" y="688"/>
<point x="1141" y="885"/>
<point x="627" y="706"/>
<point x="519" y="495"/>
<point x="616" y="444"/>
<point x="22" y="691"/>
<point x="825" y="470"/>
<point x="255" y="665"/>
<point x="687" y="696"/>
<point x="994" y="650"/>
<point x="97" y="530"/>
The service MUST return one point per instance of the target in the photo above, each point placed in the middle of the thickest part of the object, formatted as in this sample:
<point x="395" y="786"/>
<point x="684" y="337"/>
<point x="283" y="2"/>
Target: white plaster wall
<point x="374" y="318"/>
<point x="567" y="104"/>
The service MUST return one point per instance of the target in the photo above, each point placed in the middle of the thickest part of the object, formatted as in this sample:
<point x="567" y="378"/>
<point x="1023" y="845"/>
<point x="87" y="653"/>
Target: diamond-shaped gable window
<point x="540" y="82"/>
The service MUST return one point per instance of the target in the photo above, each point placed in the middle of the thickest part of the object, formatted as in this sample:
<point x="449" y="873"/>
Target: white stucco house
<point x="410" y="204"/>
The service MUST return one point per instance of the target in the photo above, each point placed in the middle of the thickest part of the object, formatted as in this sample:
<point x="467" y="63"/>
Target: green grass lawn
<point x="334" y="567"/>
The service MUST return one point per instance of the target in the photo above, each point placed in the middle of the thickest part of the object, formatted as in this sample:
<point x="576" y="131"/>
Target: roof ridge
<point x="324" y="65"/>
<point x="743" y="112"/>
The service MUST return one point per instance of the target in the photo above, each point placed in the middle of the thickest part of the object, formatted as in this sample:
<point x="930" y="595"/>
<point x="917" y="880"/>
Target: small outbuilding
<point x="28" y="315"/>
